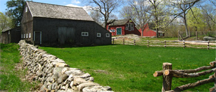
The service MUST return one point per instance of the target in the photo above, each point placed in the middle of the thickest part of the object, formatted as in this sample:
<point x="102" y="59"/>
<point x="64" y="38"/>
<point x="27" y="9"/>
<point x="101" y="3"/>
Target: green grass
<point x="131" y="68"/>
<point x="10" y="78"/>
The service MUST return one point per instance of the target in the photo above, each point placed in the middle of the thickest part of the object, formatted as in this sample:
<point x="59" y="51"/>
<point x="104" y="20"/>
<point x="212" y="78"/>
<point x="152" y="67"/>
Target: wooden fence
<point x="168" y="74"/>
<point x="168" y="43"/>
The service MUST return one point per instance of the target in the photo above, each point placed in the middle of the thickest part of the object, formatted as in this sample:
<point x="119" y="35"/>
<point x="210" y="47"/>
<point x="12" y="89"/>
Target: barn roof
<point x="57" y="11"/>
<point x="119" y="22"/>
<point x="6" y="29"/>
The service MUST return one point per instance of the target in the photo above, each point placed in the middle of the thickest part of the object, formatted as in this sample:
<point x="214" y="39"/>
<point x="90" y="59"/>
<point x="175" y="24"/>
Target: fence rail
<point x="168" y="73"/>
<point x="167" y="43"/>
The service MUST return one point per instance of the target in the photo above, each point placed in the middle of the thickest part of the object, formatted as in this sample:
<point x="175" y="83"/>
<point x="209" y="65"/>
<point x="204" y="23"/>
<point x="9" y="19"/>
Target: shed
<point x="147" y="32"/>
<point x="50" y="25"/>
<point x="10" y="35"/>
<point x="122" y="27"/>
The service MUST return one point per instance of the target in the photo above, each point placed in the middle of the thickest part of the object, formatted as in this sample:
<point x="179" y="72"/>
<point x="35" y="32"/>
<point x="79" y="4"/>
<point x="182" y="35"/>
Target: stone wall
<point x="55" y="74"/>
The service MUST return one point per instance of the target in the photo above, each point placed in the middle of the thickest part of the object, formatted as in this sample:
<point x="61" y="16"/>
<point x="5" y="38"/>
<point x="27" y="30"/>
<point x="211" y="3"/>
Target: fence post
<point x="134" y="42"/>
<point x="215" y="76"/>
<point x="113" y="40"/>
<point x="165" y="43"/>
<point x="148" y="43"/>
<point x="213" y="89"/>
<point x="123" y="41"/>
<point x="167" y="80"/>
<point x="208" y="45"/>
<point x="184" y="43"/>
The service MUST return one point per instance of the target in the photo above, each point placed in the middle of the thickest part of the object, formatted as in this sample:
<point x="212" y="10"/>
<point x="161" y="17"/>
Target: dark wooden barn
<point x="50" y="25"/>
<point x="11" y="35"/>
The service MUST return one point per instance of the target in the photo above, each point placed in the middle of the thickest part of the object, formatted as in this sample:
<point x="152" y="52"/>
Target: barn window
<point x="107" y="34"/>
<point x="127" y="26"/>
<point x="84" y="34"/>
<point x="29" y="35"/>
<point x="26" y="9"/>
<point x="112" y="30"/>
<point x="26" y="35"/>
<point x="131" y="26"/>
<point x="23" y="35"/>
<point x="98" y="34"/>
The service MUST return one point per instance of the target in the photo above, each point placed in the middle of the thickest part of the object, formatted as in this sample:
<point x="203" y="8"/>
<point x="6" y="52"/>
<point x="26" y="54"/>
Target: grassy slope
<point x="10" y="81"/>
<point x="130" y="68"/>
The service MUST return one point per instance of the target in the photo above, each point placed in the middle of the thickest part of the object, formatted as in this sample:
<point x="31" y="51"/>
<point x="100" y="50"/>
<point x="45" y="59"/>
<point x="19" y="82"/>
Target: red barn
<point x="122" y="27"/>
<point x="150" y="33"/>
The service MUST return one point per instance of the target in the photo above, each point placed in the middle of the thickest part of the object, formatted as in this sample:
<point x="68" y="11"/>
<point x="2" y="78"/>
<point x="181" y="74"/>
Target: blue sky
<point x="3" y="6"/>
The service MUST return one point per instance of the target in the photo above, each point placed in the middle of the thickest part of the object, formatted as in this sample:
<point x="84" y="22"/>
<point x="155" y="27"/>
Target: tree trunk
<point x="185" y="22"/>
<point x="105" y="24"/>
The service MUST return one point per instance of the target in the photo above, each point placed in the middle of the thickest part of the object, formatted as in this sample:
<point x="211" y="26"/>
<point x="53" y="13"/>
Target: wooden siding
<point x="122" y="24"/>
<point x="53" y="30"/>
<point x="149" y="33"/>
<point x="124" y="31"/>
<point x="27" y="26"/>
<point x="11" y="36"/>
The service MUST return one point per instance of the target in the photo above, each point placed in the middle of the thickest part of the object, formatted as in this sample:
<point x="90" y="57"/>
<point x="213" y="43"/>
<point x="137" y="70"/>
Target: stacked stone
<point x="55" y="74"/>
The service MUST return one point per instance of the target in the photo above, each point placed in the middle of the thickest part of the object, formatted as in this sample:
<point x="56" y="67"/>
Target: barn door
<point x="66" y="35"/>
<point x="119" y="31"/>
<point x="37" y="37"/>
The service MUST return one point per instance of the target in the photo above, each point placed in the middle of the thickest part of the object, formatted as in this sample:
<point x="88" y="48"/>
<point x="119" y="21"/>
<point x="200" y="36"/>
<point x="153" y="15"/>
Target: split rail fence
<point x="166" y="43"/>
<point x="168" y="74"/>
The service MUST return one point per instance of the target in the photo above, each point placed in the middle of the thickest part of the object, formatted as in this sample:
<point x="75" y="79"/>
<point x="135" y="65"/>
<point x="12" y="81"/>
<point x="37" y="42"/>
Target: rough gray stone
<point x="87" y="84"/>
<point x="62" y="78"/>
<point x="54" y="73"/>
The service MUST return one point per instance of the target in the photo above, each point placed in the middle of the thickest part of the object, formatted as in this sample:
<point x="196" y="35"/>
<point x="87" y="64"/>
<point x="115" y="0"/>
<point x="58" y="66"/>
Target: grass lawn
<point x="131" y="68"/>
<point x="10" y="78"/>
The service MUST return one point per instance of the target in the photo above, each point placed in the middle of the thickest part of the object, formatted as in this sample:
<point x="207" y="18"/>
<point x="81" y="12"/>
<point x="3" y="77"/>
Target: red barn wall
<point x="124" y="32"/>
<point x="115" y="27"/>
<point x="147" y="32"/>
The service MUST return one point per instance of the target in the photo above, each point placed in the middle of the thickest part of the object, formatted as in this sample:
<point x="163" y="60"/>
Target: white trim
<point x="107" y="34"/>
<point x="29" y="35"/>
<point x="98" y="34"/>
<point x="40" y="36"/>
<point x="112" y="30"/>
<point x="84" y="34"/>
<point x="26" y="9"/>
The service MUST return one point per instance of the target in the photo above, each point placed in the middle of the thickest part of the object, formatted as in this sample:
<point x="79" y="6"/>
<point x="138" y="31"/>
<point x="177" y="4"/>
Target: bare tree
<point x="137" y="11"/>
<point x="96" y="15"/>
<point x="181" y="8"/>
<point x="156" y="11"/>
<point x="208" y="14"/>
<point x="106" y="7"/>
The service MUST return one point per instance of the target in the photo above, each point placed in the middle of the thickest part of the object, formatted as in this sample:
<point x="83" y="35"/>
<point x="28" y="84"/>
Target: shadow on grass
<point x="71" y="46"/>
<point x="9" y="47"/>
